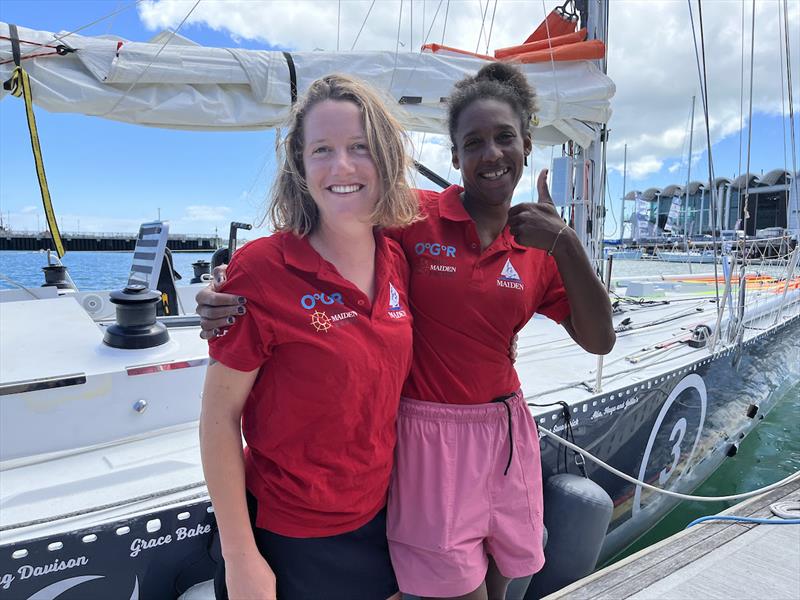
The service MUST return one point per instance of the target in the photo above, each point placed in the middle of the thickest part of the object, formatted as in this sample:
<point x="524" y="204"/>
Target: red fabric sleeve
<point x="554" y="304"/>
<point x="247" y="345"/>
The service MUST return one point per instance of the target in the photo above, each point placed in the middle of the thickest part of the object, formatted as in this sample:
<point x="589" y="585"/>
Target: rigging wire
<point x="483" y="23"/>
<point x="491" y="26"/>
<point x="795" y="174"/>
<point x="410" y="25"/>
<point x="397" y="43"/>
<point x="714" y="200"/>
<point x="158" y="53"/>
<point x="749" y="130"/>
<point x="741" y="98"/>
<point x="60" y="38"/>
<point x="338" y="24"/>
<point x="783" y="96"/>
<point x="358" y="35"/>
<point x="436" y="14"/>
<point x="444" y="27"/>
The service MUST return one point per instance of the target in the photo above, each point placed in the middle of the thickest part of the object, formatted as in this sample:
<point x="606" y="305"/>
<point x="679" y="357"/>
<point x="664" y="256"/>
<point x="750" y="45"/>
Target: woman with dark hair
<point x="465" y="502"/>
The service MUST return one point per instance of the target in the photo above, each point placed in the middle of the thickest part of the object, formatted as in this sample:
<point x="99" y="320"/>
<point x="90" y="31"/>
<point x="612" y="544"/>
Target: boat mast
<point x="589" y="208"/>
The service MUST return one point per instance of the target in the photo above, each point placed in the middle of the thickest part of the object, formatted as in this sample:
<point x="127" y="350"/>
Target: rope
<point x="786" y="509"/>
<point x="791" y="478"/>
<point x="744" y="520"/>
<point x="20" y="85"/>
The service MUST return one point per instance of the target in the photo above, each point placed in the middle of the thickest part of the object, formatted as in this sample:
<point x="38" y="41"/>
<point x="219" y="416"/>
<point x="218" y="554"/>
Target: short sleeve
<point x="554" y="303"/>
<point x="248" y="343"/>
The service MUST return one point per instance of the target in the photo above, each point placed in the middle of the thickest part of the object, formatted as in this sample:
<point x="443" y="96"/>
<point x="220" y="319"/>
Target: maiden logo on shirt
<point x="509" y="278"/>
<point x="320" y="320"/>
<point x="395" y="310"/>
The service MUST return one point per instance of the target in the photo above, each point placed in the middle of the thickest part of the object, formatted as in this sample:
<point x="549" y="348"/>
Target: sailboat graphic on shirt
<point x="394" y="298"/>
<point x="509" y="278"/>
<point x="509" y="273"/>
<point x="395" y="310"/>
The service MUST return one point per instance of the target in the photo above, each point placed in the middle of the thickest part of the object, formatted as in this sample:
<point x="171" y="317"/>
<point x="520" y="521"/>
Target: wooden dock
<point x="717" y="559"/>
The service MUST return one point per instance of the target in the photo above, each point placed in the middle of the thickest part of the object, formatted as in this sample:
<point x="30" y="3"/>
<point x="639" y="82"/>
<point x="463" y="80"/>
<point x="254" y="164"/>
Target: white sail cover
<point x="186" y="86"/>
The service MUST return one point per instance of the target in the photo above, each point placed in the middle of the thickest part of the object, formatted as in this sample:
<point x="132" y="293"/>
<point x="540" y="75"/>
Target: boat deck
<point x="717" y="559"/>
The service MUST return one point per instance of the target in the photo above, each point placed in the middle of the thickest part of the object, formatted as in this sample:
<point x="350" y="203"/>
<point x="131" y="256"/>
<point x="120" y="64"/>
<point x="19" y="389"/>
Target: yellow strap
<point x="22" y="87"/>
<point x="165" y="302"/>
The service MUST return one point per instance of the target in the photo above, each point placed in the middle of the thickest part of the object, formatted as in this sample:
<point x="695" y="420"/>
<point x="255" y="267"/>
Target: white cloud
<point x="203" y="212"/>
<point x="651" y="55"/>
<point x="26" y="210"/>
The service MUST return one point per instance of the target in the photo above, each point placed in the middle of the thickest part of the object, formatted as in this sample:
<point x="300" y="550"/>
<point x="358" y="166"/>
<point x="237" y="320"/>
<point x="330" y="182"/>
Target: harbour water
<point x="770" y="453"/>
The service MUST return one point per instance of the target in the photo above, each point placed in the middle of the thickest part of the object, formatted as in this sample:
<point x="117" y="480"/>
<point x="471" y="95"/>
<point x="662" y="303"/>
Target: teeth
<point x="495" y="174"/>
<point x="344" y="189"/>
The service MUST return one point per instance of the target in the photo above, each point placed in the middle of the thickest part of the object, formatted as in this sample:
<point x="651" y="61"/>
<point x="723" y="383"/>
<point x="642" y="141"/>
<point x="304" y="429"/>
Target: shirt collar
<point x="450" y="205"/>
<point x="298" y="252"/>
<point x="511" y="241"/>
<point x="452" y="209"/>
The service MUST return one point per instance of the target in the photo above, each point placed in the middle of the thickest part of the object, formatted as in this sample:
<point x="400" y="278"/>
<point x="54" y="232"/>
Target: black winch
<point x="56" y="276"/>
<point x="136" y="325"/>
<point x="200" y="267"/>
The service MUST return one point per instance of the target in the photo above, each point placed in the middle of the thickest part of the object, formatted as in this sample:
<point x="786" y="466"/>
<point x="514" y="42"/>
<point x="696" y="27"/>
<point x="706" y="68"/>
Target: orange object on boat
<point x="588" y="50"/>
<point x="556" y="24"/>
<point x="439" y="48"/>
<point x="555" y="39"/>
<point x="562" y="40"/>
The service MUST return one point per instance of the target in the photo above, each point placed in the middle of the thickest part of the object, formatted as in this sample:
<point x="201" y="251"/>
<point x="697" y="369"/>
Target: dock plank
<point x="715" y="560"/>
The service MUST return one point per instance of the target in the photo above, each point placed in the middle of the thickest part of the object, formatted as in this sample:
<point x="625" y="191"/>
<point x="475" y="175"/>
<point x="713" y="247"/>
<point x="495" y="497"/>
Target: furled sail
<point x="187" y="86"/>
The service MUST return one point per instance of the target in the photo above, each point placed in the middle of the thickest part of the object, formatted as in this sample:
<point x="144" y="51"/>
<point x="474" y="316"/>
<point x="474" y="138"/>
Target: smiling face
<point x="339" y="169"/>
<point x="489" y="149"/>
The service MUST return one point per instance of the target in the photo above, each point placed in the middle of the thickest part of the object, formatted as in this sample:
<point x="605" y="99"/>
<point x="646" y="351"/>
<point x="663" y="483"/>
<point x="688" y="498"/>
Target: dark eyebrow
<point x="476" y="132"/>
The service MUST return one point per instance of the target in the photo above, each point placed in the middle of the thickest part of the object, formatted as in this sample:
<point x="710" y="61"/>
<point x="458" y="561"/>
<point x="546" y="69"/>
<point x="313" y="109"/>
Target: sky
<point x="110" y="177"/>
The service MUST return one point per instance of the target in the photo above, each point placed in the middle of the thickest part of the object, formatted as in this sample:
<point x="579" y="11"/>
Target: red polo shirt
<point x="468" y="303"/>
<point x="320" y="420"/>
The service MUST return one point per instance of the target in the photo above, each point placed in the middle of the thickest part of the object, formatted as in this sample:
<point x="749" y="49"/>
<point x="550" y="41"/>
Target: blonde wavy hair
<point x="293" y="209"/>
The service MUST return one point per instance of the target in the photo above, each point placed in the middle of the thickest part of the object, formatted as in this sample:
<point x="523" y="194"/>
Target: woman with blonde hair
<point x="312" y="374"/>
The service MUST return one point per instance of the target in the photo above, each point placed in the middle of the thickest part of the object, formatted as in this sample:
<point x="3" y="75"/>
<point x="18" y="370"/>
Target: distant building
<point x="771" y="202"/>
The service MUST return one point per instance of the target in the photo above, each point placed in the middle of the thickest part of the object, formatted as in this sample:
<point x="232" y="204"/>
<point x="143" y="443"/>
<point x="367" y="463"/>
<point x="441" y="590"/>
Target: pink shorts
<point x="461" y="491"/>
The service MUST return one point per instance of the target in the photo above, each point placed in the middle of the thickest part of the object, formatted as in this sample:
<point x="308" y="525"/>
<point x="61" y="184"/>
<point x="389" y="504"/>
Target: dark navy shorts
<point x="348" y="566"/>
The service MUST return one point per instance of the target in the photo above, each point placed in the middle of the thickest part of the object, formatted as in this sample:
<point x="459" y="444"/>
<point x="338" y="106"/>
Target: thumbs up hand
<point x="536" y="225"/>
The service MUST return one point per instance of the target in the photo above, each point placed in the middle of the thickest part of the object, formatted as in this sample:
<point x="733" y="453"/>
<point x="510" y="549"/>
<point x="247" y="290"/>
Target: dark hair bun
<point x="511" y="76"/>
<point x="499" y="80"/>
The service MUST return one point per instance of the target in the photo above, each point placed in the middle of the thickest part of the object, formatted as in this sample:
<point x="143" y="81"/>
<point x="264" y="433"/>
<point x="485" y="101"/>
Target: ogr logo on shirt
<point x="434" y="249"/>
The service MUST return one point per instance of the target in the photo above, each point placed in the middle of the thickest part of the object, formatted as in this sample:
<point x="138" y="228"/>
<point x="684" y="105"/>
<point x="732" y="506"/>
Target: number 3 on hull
<point x="684" y="411"/>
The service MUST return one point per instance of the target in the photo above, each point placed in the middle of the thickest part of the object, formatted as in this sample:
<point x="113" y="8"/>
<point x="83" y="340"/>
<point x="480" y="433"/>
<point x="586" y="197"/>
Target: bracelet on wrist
<point x="555" y="241"/>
